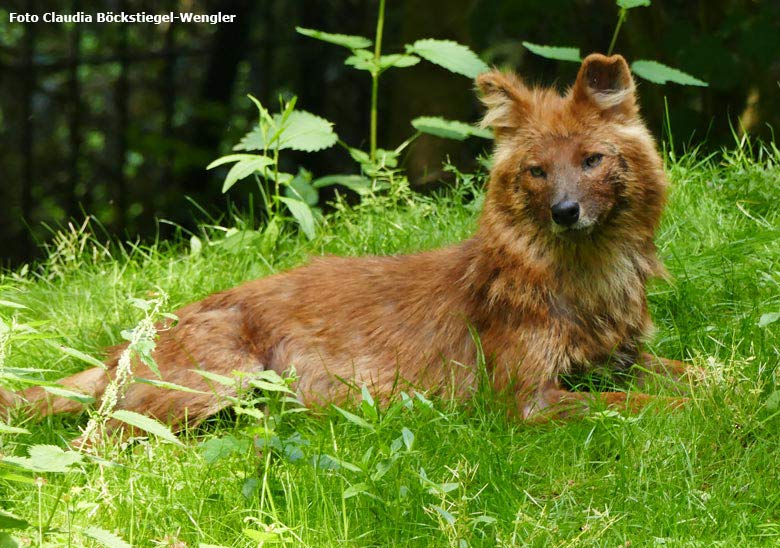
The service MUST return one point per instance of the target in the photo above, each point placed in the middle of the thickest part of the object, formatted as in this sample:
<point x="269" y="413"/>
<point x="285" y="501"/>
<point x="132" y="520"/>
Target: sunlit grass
<point x="426" y="473"/>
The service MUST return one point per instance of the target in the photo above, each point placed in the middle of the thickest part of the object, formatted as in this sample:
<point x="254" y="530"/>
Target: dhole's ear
<point x="606" y="83"/>
<point x="506" y="99"/>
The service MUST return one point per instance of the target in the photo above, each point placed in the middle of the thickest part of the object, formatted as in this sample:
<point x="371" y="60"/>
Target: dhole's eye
<point x="592" y="161"/>
<point x="537" y="172"/>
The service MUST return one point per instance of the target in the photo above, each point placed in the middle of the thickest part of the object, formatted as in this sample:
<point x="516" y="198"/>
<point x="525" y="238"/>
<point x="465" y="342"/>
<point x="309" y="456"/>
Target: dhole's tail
<point x="205" y="339"/>
<point x="91" y="382"/>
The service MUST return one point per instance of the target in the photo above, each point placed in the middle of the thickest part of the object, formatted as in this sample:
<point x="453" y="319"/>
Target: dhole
<point x="552" y="282"/>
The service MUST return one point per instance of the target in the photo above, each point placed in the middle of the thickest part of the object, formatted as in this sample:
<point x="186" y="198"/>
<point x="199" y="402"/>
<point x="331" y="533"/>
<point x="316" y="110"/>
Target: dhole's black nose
<point x="566" y="213"/>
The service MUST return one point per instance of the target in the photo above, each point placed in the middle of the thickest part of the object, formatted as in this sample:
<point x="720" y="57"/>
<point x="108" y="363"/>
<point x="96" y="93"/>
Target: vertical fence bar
<point x="121" y="102"/>
<point x="169" y="102"/>
<point x="74" y="137"/>
<point x="26" y="141"/>
<point x="269" y="26"/>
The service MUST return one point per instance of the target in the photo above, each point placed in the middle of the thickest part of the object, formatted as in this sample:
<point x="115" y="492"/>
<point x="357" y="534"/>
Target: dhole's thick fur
<point x="552" y="282"/>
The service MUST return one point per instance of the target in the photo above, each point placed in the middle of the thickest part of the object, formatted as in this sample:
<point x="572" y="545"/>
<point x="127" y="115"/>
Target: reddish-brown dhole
<point x="552" y="282"/>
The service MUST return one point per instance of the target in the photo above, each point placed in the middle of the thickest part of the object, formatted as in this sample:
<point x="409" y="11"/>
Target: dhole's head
<point x="573" y="167"/>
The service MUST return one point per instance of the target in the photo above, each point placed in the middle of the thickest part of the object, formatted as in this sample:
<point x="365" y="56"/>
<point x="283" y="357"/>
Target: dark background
<point x="119" y="121"/>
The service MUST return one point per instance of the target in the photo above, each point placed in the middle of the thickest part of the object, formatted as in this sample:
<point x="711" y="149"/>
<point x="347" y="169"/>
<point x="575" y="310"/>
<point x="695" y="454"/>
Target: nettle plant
<point x="257" y="153"/>
<point x="652" y="71"/>
<point x="292" y="129"/>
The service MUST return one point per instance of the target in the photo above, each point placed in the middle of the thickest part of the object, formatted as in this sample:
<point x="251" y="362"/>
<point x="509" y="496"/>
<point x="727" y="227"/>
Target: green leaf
<point x="360" y="156"/>
<point x="306" y="132"/>
<point x="69" y="394"/>
<point x="449" y="518"/>
<point x="47" y="458"/>
<point x="356" y="183"/>
<point x="396" y="445"/>
<point x="215" y="449"/>
<point x="354" y="419"/>
<point x="7" y="429"/>
<point x="366" y="395"/>
<point x="387" y="158"/>
<point x="353" y="490"/>
<point x="9" y="376"/>
<point x="79" y="355"/>
<point x="381" y="469"/>
<point x="270" y="236"/>
<point x="237" y="241"/>
<point x="397" y="60"/>
<point x="215" y="377"/>
<point x="268" y="375"/>
<point x="230" y="158"/>
<point x="368" y="406"/>
<point x="10" y="476"/>
<point x="350" y="41"/>
<point x="11" y="304"/>
<point x="773" y="401"/>
<point x="169" y="385"/>
<point x="364" y="60"/>
<point x="766" y="319"/>
<point x="425" y="401"/>
<point x="141" y="304"/>
<point x="7" y="541"/>
<point x="408" y="437"/>
<point x="300" y="130"/>
<point x="449" y="129"/>
<point x="657" y="73"/>
<point x="257" y="138"/>
<point x="440" y="127"/>
<point x="629" y="4"/>
<point x="554" y="52"/>
<point x="195" y="245"/>
<point x="300" y="187"/>
<point x="281" y="177"/>
<point x="302" y="213"/>
<point x="253" y="412"/>
<point x="10" y="521"/>
<point x="106" y="538"/>
<point x="261" y="536"/>
<point x="361" y="60"/>
<point x="270" y="386"/>
<point x="244" y="169"/>
<point x="143" y="349"/>
<point x="327" y="462"/>
<point x="454" y="57"/>
<point x="147" y="424"/>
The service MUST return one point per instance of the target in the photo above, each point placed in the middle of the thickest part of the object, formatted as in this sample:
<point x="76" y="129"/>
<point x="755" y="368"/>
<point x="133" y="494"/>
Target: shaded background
<point x="119" y="120"/>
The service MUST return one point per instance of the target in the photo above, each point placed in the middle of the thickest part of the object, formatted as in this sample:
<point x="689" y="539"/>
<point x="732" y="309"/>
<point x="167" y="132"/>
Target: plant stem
<point x="621" y="18"/>
<point x="276" y="180"/>
<point x="380" y="23"/>
<point x="39" y="483"/>
<point x="57" y="499"/>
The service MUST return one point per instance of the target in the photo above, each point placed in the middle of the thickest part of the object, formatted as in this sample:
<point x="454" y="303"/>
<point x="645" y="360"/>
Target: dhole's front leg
<point x="652" y="372"/>
<point x="551" y="401"/>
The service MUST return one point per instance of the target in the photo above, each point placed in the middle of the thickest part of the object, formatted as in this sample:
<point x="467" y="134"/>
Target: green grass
<point x="423" y="473"/>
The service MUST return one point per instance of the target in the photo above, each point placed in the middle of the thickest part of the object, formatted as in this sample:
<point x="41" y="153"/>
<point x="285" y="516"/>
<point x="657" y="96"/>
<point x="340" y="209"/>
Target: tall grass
<point x="420" y="472"/>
